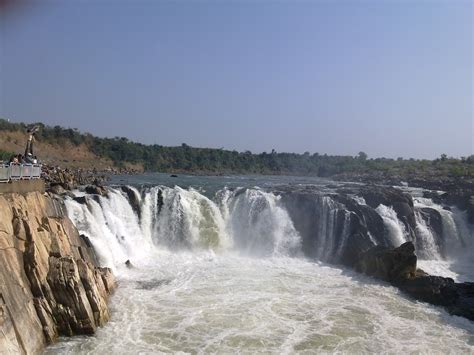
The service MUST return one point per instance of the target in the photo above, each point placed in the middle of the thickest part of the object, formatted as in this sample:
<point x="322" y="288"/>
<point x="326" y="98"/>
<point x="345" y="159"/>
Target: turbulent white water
<point x="429" y="249"/>
<point x="227" y="275"/>
<point x="202" y="302"/>
<point x="459" y="242"/>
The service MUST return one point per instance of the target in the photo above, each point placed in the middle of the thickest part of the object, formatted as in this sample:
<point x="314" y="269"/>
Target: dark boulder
<point x="457" y="298"/>
<point x="398" y="267"/>
<point x="96" y="190"/>
<point x="160" y="202"/>
<point x="57" y="189"/>
<point x="391" y="265"/>
<point x="401" y="202"/>
<point x="368" y="219"/>
<point x="316" y="213"/>
<point x="461" y="196"/>
<point x="81" y="199"/>
<point x="133" y="199"/>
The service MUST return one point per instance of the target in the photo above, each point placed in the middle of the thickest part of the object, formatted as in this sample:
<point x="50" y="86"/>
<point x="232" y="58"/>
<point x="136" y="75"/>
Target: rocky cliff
<point x="50" y="281"/>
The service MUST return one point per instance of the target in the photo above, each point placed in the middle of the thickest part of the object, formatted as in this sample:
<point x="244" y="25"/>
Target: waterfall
<point x="456" y="233"/>
<point x="133" y="224"/>
<point x="258" y="223"/>
<point x="185" y="219"/>
<point x="112" y="227"/>
<point x="427" y="247"/>
<point x="249" y="221"/>
<point x="395" y="227"/>
<point x="332" y="230"/>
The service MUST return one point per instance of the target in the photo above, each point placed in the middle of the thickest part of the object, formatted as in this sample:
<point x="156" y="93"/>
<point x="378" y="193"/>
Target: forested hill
<point x="69" y="147"/>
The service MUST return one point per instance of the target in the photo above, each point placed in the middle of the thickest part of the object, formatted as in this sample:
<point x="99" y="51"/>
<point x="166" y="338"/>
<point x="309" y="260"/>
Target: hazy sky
<point x="391" y="78"/>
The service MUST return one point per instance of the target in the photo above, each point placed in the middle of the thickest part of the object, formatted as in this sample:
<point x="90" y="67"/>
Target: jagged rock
<point x="401" y="202"/>
<point x="57" y="189"/>
<point x="81" y="199"/>
<point x="391" y="265"/>
<point x="457" y="298"/>
<point x="354" y="228"/>
<point x="96" y="190"/>
<point x="398" y="267"/>
<point x="50" y="282"/>
<point x="132" y="199"/>
<point x="160" y="201"/>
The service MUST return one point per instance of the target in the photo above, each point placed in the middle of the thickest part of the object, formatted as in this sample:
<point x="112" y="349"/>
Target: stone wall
<point x="50" y="281"/>
<point x="22" y="186"/>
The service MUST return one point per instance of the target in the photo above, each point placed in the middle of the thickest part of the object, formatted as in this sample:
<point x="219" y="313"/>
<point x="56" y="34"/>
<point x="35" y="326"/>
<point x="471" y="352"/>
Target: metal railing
<point x="9" y="172"/>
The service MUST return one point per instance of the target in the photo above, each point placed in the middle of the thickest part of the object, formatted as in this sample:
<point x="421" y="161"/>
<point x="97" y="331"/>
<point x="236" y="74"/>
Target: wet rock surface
<point x="398" y="267"/>
<point x="364" y="244"/>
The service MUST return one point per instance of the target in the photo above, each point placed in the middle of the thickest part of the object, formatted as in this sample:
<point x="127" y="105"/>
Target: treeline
<point x="205" y="160"/>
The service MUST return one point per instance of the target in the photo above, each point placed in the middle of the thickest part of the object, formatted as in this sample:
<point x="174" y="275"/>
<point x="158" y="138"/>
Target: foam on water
<point x="217" y="276"/>
<point x="458" y="240"/>
<point x="200" y="302"/>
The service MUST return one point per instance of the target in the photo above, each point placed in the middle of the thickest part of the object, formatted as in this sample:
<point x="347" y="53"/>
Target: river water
<point x="226" y="275"/>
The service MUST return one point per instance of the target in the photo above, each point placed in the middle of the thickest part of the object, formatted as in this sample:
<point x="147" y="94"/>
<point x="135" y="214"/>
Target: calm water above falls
<point x="225" y="273"/>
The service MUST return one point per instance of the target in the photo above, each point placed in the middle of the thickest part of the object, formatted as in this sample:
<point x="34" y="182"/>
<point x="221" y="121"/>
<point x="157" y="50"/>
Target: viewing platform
<point x="21" y="178"/>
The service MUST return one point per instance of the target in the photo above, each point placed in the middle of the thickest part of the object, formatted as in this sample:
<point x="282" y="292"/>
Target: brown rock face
<point x="50" y="282"/>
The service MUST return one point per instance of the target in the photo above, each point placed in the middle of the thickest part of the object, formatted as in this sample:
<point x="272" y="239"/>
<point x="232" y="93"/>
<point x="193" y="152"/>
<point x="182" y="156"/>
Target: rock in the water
<point x="398" y="266"/>
<point x="57" y="189"/>
<point x="401" y="202"/>
<point x="391" y="265"/>
<point x="96" y="190"/>
<point x="132" y="199"/>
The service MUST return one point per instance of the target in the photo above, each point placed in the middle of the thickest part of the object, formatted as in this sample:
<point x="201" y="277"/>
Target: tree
<point x="362" y="156"/>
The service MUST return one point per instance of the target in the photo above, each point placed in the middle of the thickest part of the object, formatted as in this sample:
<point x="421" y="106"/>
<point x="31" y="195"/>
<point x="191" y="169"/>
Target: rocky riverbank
<point x="50" y="281"/>
<point x="454" y="190"/>
<point x="359" y="237"/>
<point x="59" y="180"/>
<point x="398" y="266"/>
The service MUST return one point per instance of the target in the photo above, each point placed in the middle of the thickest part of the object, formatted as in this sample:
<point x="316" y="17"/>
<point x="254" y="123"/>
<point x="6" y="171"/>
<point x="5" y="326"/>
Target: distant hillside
<point x="71" y="148"/>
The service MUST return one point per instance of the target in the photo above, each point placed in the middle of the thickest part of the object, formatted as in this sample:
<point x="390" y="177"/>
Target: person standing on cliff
<point x="29" y="157"/>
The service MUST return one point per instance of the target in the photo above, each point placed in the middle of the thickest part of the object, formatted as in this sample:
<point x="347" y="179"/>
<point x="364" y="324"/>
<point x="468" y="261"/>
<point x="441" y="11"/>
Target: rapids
<point x="223" y="269"/>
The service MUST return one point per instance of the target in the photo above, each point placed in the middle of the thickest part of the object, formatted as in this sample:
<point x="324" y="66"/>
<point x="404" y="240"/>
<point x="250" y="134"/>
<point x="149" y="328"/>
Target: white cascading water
<point x="458" y="239"/>
<point x="112" y="227"/>
<point x="345" y="235"/>
<point x="395" y="227"/>
<point x="250" y="220"/>
<point x="188" y="219"/>
<point x="327" y="217"/>
<point x="197" y="285"/>
<point x="330" y="238"/>
<point x="258" y="224"/>
<point x="429" y="249"/>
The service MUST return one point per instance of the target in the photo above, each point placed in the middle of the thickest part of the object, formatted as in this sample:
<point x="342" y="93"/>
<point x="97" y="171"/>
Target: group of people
<point x="28" y="158"/>
<point x="23" y="159"/>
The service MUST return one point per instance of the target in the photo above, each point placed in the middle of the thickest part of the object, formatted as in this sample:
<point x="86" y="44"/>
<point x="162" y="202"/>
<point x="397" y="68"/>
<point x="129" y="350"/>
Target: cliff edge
<point x="50" y="281"/>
